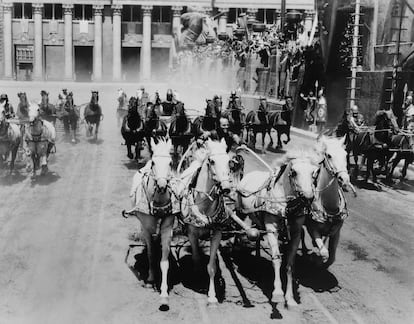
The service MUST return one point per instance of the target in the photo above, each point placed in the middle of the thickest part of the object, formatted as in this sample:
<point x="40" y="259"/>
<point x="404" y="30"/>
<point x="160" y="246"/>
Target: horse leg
<point x="370" y="169"/>
<point x="408" y="159"/>
<point x="195" y="249"/>
<point x="129" y="151"/>
<point x="287" y="135"/>
<point x="279" y="141"/>
<point x="35" y="165"/>
<point x="96" y="130"/>
<point x="149" y="227"/>
<point x="295" y="230"/>
<point x="13" y="158"/>
<point x="394" y="162"/>
<point x="212" y="266"/>
<point x="43" y="164"/>
<point x="269" y="131"/>
<point x="263" y="141"/>
<point x="333" y="244"/>
<point x="277" y="294"/>
<point x="315" y="233"/>
<point x="166" y="236"/>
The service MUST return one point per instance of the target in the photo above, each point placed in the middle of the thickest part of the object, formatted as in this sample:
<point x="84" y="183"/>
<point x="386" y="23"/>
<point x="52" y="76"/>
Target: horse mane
<point x="296" y="154"/>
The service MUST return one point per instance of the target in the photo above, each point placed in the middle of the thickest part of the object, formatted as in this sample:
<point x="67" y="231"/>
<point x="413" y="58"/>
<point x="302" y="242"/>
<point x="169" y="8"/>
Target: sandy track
<point x="63" y="245"/>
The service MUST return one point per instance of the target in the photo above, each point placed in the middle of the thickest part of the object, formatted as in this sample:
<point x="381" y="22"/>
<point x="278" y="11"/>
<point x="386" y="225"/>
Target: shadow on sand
<point x="12" y="179"/>
<point x="181" y="271"/>
<point x="46" y="179"/>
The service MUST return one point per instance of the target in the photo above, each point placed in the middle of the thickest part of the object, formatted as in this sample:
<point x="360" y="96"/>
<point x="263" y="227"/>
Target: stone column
<point x="8" y="40"/>
<point x="38" y="41"/>
<point x="97" y="46"/>
<point x="176" y="20"/>
<point x="146" y="43"/>
<point x="117" y="42"/>
<point x="223" y="20"/>
<point x="308" y="23"/>
<point x="68" y="10"/>
<point x="277" y="19"/>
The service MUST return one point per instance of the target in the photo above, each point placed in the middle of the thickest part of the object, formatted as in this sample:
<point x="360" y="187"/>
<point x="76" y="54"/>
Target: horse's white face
<point x="161" y="162"/>
<point x="218" y="161"/>
<point x="34" y="112"/>
<point x="333" y="150"/>
<point x="2" y="111"/>
<point x="121" y="93"/>
<point x="301" y="177"/>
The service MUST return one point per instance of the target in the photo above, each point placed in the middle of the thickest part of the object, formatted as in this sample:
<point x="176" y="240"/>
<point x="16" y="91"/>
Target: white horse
<point x="10" y="138"/>
<point x="122" y="109"/>
<point x="329" y="207"/>
<point x="40" y="137"/>
<point x="151" y="197"/>
<point x="264" y="199"/>
<point x="202" y="206"/>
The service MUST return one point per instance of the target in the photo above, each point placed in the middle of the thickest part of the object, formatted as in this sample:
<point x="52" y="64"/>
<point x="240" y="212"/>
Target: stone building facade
<point x="119" y="40"/>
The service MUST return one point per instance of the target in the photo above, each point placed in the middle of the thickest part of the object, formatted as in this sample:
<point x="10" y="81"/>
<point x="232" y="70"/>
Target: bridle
<point x="36" y="137"/>
<point x="297" y="192"/>
<point x="332" y="171"/>
<point x="156" y="178"/>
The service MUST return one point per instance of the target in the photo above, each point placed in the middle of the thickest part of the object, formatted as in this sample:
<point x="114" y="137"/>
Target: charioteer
<point x="8" y="108"/>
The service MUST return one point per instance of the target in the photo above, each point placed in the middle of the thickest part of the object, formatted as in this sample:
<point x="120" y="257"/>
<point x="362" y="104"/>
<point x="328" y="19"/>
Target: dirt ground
<point x="63" y="244"/>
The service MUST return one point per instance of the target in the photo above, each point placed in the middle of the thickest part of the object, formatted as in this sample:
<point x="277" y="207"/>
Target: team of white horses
<point x="305" y="190"/>
<point x="37" y="137"/>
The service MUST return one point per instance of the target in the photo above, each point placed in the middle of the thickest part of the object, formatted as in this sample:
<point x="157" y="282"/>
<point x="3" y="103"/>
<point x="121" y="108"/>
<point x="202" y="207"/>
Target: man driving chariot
<point x="409" y="114"/>
<point x="8" y="108"/>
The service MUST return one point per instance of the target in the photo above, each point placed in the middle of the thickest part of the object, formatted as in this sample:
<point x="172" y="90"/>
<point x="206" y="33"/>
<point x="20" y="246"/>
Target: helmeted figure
<point x="232" y="100"/>
<point x="409" y="114"/>
<point x="355" y="120"/>
<point x="170" y="95"/>
<point x="8" y="108"/>
<point x="143" y="97"/>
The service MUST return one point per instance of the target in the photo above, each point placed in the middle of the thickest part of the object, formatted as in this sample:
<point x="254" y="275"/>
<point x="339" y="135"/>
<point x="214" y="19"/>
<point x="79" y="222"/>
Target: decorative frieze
<point x="98" y="10"/>
<point x="67" y="9"/>
<point x="117" y="10"/>
<point x="147" y="10"/>
<point x="37" y="8"/>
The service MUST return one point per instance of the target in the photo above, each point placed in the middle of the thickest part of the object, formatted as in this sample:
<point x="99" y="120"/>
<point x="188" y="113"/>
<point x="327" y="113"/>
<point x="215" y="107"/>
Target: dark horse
<point x="132" y="129"/>
<point x="70" y="115"/>
<point x="281" y="121"/>
<point x="403" y="143"/>
<point x="257" y="122"/>
<point x="93" y="114"/>
<point x="154" y="127"/>
<point x="180" y="129"/>
<point x="237" y="118"/>
<point x="47" y="110"/>
<point x="208" y="122"/>
<point x="375" y="145"/>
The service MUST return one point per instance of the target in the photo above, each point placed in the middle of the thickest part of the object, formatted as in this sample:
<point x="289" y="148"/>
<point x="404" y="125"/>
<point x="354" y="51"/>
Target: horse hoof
<point x="130" y="156"/>
<point x="44" y="170"/>
<point x="164" y="308"/>
<point x="149" y="284"/>
<point x="291" y="303"/>
<point x="73" y="140"/>
<point x="278" y="297"/>
<point x="212" y="302"/>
